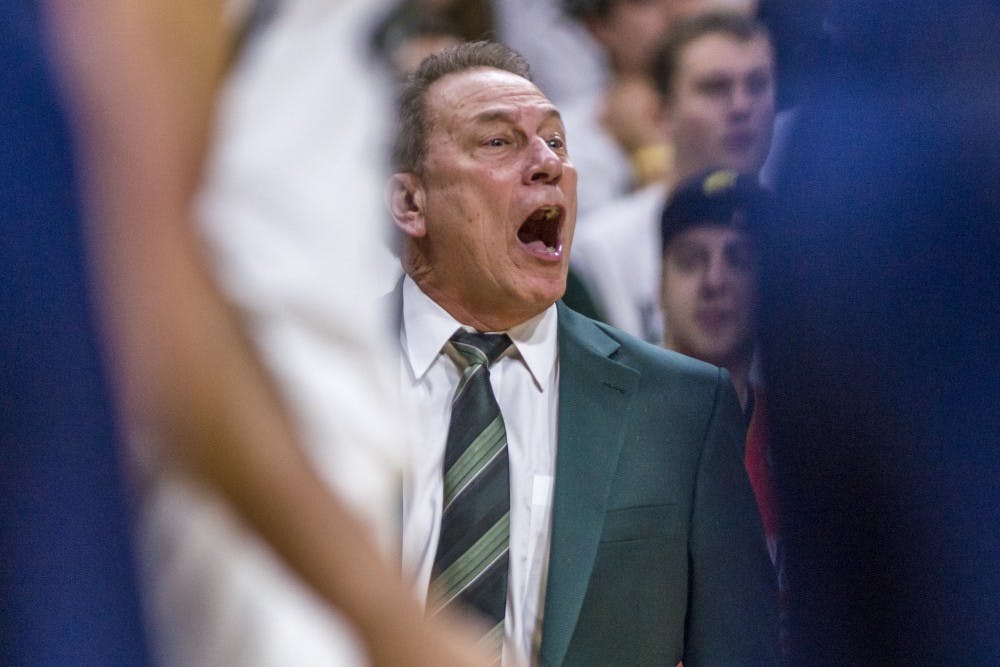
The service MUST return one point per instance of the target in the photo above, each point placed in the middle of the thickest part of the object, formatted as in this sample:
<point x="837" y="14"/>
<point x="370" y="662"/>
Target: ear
<point x="404" y="195"/>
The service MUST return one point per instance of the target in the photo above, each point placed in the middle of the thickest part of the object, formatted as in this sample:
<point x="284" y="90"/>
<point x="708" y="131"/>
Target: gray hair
<point x="412" y="127"/>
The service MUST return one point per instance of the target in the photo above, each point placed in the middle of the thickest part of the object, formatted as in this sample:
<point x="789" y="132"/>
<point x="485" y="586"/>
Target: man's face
<point x="497" y="199"/>
<point x="721" y="108"/>
<point x="708" y="294"/>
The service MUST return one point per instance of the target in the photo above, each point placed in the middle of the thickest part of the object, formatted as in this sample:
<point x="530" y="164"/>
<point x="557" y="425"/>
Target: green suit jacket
<point x="657" y="551"/>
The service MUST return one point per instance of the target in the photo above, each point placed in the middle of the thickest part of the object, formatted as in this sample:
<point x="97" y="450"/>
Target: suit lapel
<point x="595" y="395"/>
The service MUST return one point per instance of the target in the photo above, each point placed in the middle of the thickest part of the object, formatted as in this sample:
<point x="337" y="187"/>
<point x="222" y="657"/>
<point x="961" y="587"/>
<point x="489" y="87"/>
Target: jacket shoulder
<point x="637" y="353"/>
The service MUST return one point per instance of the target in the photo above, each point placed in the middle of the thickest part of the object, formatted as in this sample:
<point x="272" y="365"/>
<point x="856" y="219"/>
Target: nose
<point x="740" y="101"/>
<point x="544" y="165"/>
<point x="716" y="274"/>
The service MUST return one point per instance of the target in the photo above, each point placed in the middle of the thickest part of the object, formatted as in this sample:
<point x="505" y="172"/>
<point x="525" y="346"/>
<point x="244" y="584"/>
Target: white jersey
<point x="291" y="212"/>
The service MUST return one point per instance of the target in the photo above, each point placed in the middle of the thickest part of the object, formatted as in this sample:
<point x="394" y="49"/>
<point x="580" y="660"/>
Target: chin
<point x="715" y="354"/>
<point x="543" y="295"/>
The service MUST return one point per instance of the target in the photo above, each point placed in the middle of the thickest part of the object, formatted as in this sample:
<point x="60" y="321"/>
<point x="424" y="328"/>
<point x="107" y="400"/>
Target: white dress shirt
<point x="525" y="382"/>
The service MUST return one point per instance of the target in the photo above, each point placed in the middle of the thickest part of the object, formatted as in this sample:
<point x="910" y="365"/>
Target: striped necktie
<point x="471" y="564"/>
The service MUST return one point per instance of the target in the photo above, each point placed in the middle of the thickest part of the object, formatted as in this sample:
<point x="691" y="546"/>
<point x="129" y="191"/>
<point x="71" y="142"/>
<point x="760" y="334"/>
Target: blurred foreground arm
<point x="141" y="79"/>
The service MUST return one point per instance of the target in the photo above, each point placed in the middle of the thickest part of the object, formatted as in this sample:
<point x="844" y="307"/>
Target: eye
<point x="716" y="87"/>
<point x="686" y="259"/>
<point x="759" y="83"/>
<point x="556" y="143"/>
<point x="497" y="142"/>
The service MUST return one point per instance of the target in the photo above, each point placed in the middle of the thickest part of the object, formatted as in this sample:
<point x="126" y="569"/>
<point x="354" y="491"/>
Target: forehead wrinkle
<point x="510" y="115"/>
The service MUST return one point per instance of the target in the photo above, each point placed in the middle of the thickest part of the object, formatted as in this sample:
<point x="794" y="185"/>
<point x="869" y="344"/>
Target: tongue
<point x="538" y="246"/>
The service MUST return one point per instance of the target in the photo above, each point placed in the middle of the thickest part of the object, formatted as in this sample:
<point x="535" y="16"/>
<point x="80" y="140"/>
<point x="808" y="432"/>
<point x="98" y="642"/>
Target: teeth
<point x="551" y="213"/>
<point x="550" y="248"/>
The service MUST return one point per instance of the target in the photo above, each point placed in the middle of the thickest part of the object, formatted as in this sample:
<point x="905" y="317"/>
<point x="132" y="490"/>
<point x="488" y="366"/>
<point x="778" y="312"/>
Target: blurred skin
<point x="684" y="8"/>
<point x="633" y="112"/>
<point x="720" y="111"/>
<point x="140" y="79"/>
<point x="709" y="295"/>
<point x="630" y="31"/>
<point x="496" y="155"/>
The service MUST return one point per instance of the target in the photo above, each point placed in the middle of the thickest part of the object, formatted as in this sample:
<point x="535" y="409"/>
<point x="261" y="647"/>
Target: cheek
<point x="696" y="127"/>
<point x="709" y="124"/>
<point x="679" y="293"/>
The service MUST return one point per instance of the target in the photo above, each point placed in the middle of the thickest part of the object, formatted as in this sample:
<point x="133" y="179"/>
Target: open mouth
<point x="540" y="232"/>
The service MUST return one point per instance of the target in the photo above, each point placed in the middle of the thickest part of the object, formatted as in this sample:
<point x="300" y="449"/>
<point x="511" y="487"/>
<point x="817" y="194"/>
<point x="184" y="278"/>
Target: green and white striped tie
<point x="471" y="564"/>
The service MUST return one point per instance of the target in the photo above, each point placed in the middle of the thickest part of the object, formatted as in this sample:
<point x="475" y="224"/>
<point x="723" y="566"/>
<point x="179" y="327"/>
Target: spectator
<point x="708" y="293"/>
<point x="716" y="75"/>
<point x="619" y="138"/>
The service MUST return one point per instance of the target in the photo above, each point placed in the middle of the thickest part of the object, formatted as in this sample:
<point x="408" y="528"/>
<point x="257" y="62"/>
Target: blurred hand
<point x="633" y="113"/>
<point x="404" y="635"/>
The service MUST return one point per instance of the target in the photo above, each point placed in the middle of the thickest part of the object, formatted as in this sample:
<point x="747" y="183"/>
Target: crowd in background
<point x="806" y="197"/>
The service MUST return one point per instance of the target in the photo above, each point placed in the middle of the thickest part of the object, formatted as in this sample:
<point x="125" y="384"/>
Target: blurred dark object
<point x="880" y="292"/>
<point x="801" y="34"/>
<point x="67" y="588"/>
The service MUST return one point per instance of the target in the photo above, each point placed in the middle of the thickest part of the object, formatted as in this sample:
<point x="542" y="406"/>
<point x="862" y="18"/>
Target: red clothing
<point x="755" y="460"/>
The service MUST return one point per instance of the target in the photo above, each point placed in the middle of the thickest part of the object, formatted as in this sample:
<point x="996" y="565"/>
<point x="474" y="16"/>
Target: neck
<point x="683" y="171"/>
<point x="487" y="322"/>
<point x="484" y="317"/>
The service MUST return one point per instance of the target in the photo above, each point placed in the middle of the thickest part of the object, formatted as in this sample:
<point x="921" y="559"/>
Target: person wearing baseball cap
<point x="708" y="296"/>
<point x="708" y="286"/>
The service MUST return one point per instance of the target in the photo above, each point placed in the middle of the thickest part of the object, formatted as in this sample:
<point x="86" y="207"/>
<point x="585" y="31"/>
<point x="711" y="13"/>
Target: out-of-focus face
<point x="720" y="111"/>
<point x="490" y="218"/>
<point x="708" y="294"/>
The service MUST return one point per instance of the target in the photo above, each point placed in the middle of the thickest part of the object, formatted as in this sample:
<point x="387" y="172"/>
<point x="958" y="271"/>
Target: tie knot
<point x="480" y="348"/>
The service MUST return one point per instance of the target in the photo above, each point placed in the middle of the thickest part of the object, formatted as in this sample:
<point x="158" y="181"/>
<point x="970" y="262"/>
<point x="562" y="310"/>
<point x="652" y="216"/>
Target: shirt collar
<point x="427" y="328"/>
